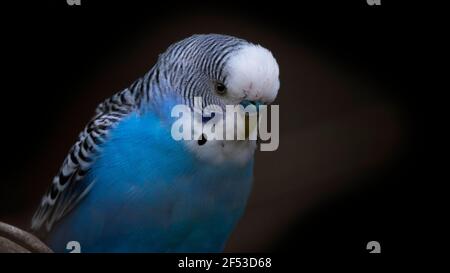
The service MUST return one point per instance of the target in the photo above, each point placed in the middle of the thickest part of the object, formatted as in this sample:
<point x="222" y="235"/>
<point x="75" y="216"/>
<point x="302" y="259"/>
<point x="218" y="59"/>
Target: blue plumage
<point x="153" y="195"/>
<point x="128" y="186"/>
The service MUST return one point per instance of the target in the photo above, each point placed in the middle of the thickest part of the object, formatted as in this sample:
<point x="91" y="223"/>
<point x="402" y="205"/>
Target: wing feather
<point x="69" y="186"/>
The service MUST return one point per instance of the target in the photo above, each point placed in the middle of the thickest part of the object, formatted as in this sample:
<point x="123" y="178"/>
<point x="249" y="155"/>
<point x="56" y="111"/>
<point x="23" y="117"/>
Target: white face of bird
<point x="228" y="75"/>
<point x="252" y="75"/>
<point x="252" y="81"/>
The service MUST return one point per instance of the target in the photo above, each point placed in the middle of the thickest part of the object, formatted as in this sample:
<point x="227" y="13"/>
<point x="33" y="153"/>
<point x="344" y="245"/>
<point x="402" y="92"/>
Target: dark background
<point x="350" y="155"/>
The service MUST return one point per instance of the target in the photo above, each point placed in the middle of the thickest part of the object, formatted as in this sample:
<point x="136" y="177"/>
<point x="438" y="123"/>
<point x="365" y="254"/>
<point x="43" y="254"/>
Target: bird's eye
<point x="220" y="88"/>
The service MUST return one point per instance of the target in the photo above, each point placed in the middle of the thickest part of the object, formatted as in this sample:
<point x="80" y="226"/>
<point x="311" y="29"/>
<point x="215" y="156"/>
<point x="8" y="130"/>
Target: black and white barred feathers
<point x="66" y="189"/>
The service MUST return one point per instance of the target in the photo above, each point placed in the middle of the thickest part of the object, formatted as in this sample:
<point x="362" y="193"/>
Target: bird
<point x="127" y="186"/>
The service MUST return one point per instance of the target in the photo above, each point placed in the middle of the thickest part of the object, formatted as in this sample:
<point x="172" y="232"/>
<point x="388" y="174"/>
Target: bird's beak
<point x="246" y="103"/>
<point x="250" y="118"/>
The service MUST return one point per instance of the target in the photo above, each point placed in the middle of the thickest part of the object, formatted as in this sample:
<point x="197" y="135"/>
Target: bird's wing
<point x="68" y="186"/>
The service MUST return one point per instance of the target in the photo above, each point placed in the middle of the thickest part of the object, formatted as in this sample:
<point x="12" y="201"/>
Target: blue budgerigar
<point x="128" y="186"/>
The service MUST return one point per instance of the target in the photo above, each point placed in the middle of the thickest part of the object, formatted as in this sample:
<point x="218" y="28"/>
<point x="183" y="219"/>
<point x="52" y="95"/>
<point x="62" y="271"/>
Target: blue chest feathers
<point x="151" y="194"/>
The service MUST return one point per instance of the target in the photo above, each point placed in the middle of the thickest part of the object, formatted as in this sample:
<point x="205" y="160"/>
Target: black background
<point x="48" y="47"/>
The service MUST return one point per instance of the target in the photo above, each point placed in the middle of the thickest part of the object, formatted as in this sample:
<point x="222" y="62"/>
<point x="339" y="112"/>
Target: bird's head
<point x="221" y="70"/>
